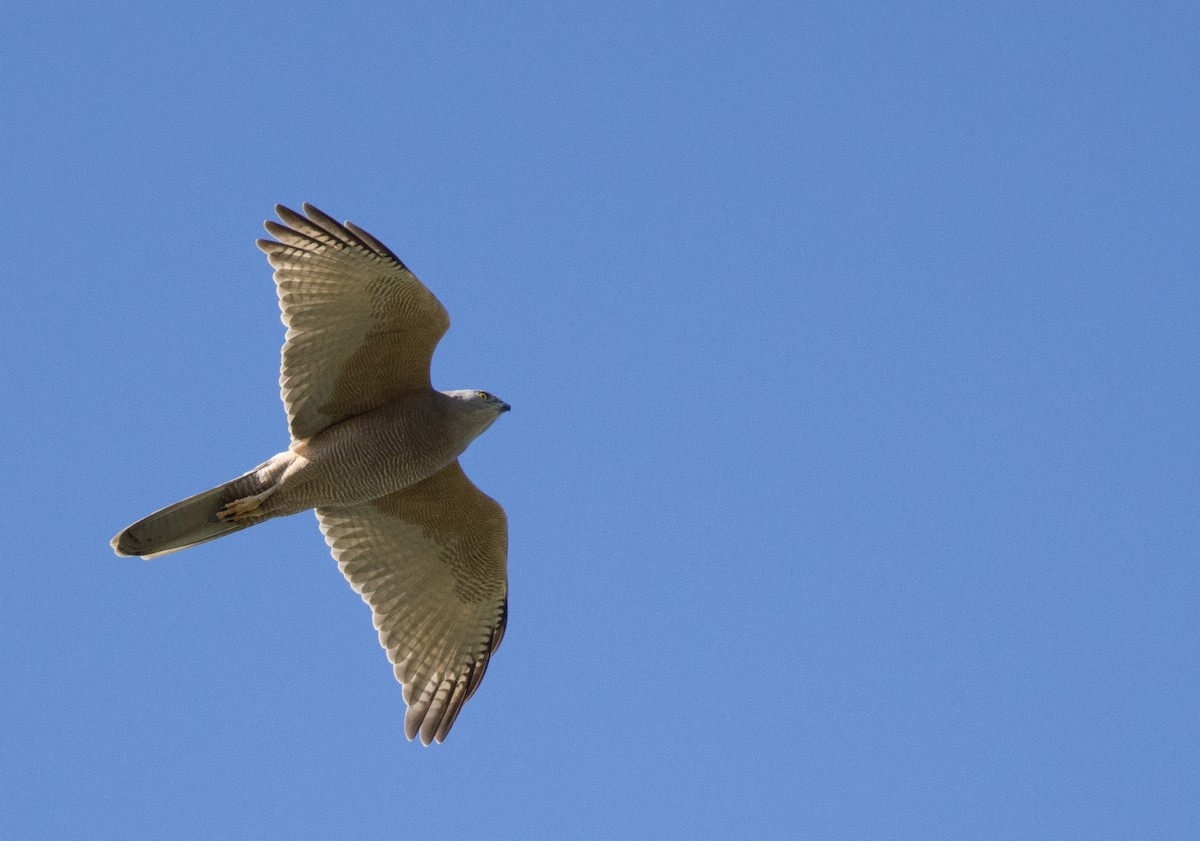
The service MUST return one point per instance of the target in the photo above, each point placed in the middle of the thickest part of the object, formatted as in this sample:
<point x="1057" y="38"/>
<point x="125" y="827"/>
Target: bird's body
<point x="374" y="451"/>
<point x="383" y="450"/>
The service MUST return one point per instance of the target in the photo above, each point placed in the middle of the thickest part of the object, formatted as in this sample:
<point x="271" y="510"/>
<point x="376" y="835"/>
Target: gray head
<point x="476" y="409"/>
<point x="480" y="400"/>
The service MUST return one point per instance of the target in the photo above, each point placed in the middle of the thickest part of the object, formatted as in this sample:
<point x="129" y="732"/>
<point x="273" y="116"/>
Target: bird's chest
<point x="369" y="456"/>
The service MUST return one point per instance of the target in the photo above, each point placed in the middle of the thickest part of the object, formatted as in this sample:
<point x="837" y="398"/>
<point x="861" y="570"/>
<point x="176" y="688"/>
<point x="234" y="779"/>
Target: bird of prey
<point x="374" y="449"/>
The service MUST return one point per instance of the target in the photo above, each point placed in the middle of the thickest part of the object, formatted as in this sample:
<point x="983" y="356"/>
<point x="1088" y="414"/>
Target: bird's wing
<point x="430" y="560"/>
<point x="361" y="327"/>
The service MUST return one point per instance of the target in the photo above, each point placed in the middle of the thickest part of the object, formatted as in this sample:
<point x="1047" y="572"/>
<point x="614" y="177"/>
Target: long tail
<point x="192" y="521"/>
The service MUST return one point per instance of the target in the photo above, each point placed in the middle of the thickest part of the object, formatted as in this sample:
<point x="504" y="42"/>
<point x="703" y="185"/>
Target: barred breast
<point x="381" y="451"/>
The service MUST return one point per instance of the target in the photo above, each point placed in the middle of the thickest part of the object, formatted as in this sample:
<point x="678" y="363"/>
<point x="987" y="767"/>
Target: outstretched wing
<point x="430" y="560"/>
<point x="361" y="327"/>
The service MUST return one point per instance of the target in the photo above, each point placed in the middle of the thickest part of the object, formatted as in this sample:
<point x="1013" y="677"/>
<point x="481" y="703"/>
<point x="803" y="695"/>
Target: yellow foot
<point x="241" y="510"/>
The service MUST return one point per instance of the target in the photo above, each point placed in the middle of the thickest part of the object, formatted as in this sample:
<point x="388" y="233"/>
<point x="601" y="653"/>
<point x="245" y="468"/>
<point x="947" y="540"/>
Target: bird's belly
<point x="359" y="460"/>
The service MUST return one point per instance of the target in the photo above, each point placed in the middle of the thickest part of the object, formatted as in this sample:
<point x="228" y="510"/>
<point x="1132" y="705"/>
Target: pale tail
<point x="188" y="523"/>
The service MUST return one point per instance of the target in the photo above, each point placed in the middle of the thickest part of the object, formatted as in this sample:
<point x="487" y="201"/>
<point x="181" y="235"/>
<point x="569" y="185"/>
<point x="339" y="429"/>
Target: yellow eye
<point x="482" y="395"/>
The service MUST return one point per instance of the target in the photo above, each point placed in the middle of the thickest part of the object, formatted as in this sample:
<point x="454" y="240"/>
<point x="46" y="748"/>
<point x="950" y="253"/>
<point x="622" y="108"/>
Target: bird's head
<point x="480" y="401"/>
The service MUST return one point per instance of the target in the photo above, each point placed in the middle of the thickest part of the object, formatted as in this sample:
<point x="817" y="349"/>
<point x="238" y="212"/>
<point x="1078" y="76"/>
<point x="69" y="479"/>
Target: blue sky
<point x="852" y="476"/>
